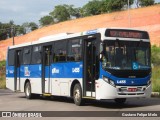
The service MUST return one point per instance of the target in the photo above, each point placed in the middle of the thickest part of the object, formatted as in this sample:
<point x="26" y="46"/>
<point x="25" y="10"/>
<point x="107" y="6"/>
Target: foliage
<point x="110" y="5"/>
<point x="46" y="20"/>
<point x="93" y="7"/>
<point x="60" y="13"/>
<point x="155" y="59"/>
<point x="144" y="3"/>
<point x="28" y="27"/>
<point x="156" y="79"/>
<point x="2" y="74"/>
<point x="2" y="64"/>
<point x="5" y="30"/>
<point x="155" y="55"/>
<point x="8" y="30"/>
<point x="33" y="26"/>
<point x="73" y="12"/>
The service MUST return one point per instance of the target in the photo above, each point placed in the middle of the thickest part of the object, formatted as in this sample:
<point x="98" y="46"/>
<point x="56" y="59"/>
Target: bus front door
<point x="90" y="66"/>
<point x="17" y="70"/>
<point x="46" y="70"/>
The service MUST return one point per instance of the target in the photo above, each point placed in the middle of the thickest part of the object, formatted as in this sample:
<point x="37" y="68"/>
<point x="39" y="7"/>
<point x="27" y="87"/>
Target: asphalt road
<point x="10" y="101"/>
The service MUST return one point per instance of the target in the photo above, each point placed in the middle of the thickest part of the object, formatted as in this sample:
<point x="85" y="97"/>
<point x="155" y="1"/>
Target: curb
<point x="155" y="94"/>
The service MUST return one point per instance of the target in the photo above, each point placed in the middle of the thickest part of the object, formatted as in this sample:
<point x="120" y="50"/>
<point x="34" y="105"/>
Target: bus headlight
<point x="148" y="83"/>
<point x="111" y="82"/>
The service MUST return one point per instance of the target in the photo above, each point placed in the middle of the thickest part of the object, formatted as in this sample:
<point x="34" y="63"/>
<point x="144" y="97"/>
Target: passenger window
<point x="60" y="51"/>
<point x="11" y="57"/>
<point x="27" y="55"/>
<point x="36" y="55"/>
<point x="74" y="50"/>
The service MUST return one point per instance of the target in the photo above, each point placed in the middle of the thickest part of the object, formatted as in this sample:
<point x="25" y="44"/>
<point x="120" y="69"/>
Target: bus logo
<point x="54" y="70"/>
<point x="75" y="70"/>
<point x="26" y="71"/>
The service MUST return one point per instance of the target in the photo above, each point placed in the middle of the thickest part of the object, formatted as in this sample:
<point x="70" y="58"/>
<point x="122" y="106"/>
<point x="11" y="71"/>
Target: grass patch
<point x="2" y="74"/>
<point x="2" y="82"/>
<point x="156" y="79"/>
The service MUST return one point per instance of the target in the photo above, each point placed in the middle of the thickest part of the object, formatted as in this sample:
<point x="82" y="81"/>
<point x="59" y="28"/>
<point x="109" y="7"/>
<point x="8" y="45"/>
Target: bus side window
<point x="26" y="55"/>
<point x="11" y="56"/>
<point x="36" y="55"/>
<point x="60" y="51"/>
<point x="74" y="50"/>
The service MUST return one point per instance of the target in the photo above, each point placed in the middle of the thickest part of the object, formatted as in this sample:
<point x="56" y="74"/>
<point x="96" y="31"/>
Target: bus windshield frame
<point x="126" y="55"/>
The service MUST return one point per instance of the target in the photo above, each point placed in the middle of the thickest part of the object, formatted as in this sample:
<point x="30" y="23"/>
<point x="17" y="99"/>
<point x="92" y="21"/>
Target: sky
<point x="21" y="11"/>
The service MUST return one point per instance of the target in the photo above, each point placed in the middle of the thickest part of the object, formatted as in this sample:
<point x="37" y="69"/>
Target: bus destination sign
<point x="126" y="34"/>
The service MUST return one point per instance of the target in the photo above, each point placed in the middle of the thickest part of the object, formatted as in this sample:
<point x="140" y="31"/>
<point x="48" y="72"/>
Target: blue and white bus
<point x="105" y="63"/>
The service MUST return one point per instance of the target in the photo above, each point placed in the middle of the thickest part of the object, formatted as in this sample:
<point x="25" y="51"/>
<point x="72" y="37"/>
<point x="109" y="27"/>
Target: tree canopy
<point x="46" y="20"/>
<point x="60" y="13"/>
<point x="8" y="30"/>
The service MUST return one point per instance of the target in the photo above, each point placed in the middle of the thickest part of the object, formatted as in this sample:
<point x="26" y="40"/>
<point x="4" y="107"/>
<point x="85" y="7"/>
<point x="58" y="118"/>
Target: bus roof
<point x="62" y="36"/>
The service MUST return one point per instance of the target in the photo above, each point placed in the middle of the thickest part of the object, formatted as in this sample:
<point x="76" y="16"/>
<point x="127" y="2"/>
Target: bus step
<point x="88" y="97"/>
<point x="46" y="94"/>
<point x="17" y="91"/>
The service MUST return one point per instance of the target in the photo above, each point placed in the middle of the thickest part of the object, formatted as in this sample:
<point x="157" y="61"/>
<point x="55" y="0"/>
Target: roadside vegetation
<point x="2" y="74"/>
<point x="155" y="51"/>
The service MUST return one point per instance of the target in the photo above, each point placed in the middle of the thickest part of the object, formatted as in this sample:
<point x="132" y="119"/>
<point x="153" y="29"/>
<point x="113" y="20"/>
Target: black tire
<point x="120" y="100"/>
<point x="77" y="95"/>
<point x="27" y="90"/>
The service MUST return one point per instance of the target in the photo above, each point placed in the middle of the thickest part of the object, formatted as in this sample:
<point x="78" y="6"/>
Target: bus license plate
<point x="132" y="89"/>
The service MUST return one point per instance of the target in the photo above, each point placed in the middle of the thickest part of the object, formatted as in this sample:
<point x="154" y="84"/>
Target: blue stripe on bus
<point x="57" y="70"/>
<point x="70" y="70"/>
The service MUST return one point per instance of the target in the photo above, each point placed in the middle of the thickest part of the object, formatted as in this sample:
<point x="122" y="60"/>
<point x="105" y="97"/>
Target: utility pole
<point x="13" y="32"/>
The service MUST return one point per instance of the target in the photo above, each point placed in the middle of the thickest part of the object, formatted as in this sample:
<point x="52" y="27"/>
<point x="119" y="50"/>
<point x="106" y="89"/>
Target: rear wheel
<point x="77" y="95"/>
<point x="28" y="93"/>
<point x="120" y="100"/>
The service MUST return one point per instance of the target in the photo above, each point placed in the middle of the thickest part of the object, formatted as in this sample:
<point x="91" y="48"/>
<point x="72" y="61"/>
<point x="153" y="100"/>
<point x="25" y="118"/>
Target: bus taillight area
<point x="114" y="92"/>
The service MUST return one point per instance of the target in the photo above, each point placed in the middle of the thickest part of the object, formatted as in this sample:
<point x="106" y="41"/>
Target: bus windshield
<point x="126" y="55"/>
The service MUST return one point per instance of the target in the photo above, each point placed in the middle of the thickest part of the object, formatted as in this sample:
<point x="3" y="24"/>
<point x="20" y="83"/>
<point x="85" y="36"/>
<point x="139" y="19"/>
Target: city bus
<point x="100" y="64"/>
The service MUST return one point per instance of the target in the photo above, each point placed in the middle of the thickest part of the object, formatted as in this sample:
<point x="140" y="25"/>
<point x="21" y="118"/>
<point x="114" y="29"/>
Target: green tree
<point x="115" y="5"/>
<point x="73" y="12"/>
<point x="33" y="26"/>
<point x="155" y="56"/>
<point x="26" y="27"/>
<point x="146" y="2"/>
<point x="46" y="20"/>
<point x="93" y="7"/>
<point x="20" y="30"/>
<point x="5" y="31"/>
<point x="60" y="13"/>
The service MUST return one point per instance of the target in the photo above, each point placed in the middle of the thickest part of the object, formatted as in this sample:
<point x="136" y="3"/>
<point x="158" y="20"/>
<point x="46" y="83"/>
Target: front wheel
<point x="28" y="93"/>
<point x="77" y="95"/>
<point x="120" y="100"/>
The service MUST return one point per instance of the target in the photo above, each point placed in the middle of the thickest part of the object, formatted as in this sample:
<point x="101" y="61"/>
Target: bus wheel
<point x="77" y="95"/>
<point x="28" y="93"/>
<point x="120" y="100"/>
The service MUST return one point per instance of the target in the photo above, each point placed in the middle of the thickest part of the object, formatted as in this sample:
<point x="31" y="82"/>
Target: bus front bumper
<point x="107" y="91"/>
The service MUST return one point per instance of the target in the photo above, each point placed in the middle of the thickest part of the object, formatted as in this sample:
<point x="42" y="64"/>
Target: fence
<point x="2" y="78"/>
